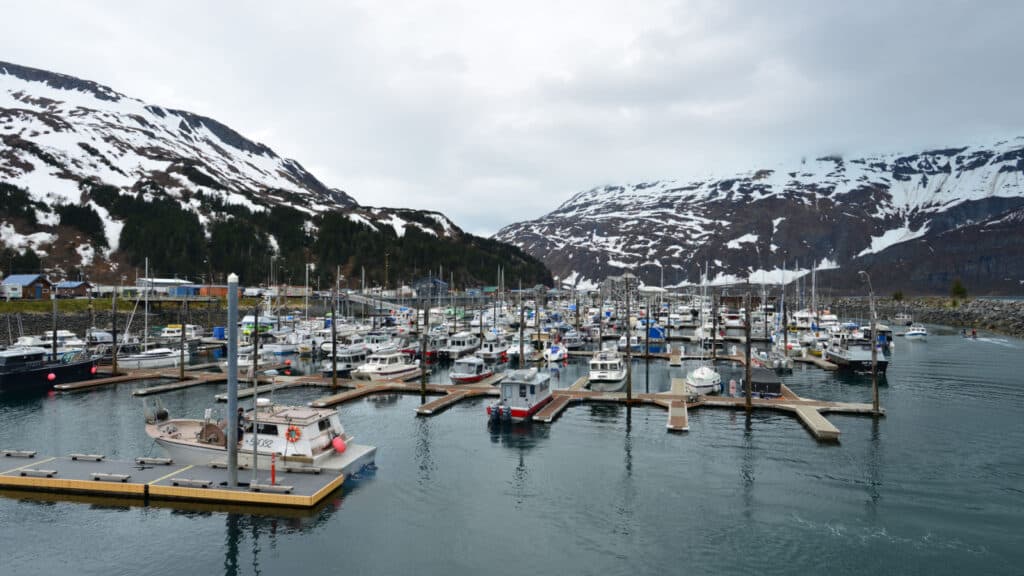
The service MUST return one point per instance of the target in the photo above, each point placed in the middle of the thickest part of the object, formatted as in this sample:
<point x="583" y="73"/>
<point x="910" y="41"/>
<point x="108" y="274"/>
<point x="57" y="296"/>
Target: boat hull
<point x="38" y="378"/>
<point x="521" y="414"/>
<point x="351" y="461"/>
<point x="470" y="378"/>
<point x="857" y="364"/>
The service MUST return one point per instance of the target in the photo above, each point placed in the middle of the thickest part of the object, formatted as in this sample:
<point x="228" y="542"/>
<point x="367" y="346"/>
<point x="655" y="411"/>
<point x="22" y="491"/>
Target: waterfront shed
<point x="33" y="286"/>
<point x="73" y="289"/>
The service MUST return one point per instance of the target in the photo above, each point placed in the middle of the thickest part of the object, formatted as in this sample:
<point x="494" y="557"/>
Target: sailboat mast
<point x="145" y="315"/>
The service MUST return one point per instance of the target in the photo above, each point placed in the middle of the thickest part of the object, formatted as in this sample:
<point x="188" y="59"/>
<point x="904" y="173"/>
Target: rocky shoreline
<point x="997" y="315"/>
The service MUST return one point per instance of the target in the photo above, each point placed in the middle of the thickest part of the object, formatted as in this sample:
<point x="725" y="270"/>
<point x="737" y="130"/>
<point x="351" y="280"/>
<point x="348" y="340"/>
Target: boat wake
<point x="867" y="535"/>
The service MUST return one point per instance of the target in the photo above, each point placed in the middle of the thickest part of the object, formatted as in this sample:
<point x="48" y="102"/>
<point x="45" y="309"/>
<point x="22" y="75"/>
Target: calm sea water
<point x="937" y="487"/>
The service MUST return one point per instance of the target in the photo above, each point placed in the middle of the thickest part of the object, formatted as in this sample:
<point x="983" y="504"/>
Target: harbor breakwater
<point x="998" y="315"/>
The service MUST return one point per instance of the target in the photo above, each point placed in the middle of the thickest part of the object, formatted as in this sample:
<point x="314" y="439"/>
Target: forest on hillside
<point x="277" y="242"/>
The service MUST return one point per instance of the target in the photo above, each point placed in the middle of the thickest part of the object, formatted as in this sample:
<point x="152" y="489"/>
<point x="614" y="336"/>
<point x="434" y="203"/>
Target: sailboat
<point x="156" y="357"/>
<point x="704" y="379"/>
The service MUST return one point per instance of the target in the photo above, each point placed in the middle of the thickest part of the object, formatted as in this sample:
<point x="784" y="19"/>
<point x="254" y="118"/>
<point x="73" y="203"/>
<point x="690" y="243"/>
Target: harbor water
<point x="935" y="487"/>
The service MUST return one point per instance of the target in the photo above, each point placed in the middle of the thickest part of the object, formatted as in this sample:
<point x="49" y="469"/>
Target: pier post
<point x="181" y="343"/>
<point x="746" y="355"/>
<point x="874" y="345"/>
<point x="53" y="298"/>
<point x="647" y="349"/>
<point x="334" y="337"/>
<point x="232" y="327"/>
<point x="113" y="334"/>
<point x="423" y="345"/>
<point x="629" y="349"/>
<point x="714" y="329"/>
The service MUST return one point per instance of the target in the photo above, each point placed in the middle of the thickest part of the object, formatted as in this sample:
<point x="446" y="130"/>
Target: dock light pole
<point x="874" y="344"/>
<point x="232" y="380"/>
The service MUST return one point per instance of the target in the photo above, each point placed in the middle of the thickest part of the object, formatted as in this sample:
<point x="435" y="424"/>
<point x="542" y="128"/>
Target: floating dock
<point x="161" y="479"/>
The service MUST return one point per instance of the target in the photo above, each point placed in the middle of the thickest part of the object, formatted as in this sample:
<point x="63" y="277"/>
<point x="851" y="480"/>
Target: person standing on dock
<point x="241" y="424"/>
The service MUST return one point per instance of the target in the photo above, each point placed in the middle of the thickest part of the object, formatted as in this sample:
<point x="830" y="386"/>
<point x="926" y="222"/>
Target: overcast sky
<point x="497" y="112"/>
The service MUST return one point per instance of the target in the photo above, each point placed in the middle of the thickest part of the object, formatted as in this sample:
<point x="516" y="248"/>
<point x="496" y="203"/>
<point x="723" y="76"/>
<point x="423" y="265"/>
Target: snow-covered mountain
<point x="915" y="222"/>
<point x="61" y="135"/>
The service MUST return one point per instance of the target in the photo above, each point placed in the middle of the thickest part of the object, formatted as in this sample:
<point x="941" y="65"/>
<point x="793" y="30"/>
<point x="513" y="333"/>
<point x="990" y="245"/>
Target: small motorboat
<point x="916" y="332"/>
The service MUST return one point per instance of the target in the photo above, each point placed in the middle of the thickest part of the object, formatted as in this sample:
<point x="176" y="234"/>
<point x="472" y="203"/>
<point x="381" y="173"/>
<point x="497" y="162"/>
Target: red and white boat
<point x="523" y="394"/>
<point x="469" y="370"/>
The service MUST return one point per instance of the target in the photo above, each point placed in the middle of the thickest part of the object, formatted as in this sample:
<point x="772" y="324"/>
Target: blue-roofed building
<point x="72" y="289"/>
<point x="27" y="286"/>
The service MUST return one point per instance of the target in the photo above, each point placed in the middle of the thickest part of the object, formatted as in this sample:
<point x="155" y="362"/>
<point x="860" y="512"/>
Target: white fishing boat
<point x="555" y="353"/>
<point x="153" y="358"/>
<point x="298" y="436"/>
<point x="346" y="360"/>
<point x="572" y="340"/>
<point x="459" y="345"/>
<point x="916" y="332"/>
<point x="523" y="393"/>
<point x="469" y="370"/>
<point x="492" y="350"/>
<point x="387" y="366"/>
<point x="704" y="379"/>
<point x="607" y="371"/>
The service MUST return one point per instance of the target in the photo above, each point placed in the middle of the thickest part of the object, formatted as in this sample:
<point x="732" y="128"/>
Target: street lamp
<point x="874" y="342"/>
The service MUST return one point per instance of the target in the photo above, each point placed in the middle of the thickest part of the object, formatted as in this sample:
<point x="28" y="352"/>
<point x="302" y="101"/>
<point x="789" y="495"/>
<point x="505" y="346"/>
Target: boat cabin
<point x="523" y="393"/>
<point x="17" y="358"/>
<point x="290" y="430"/>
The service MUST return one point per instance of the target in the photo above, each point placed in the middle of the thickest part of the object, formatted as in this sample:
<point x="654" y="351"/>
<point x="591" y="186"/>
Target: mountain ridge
<point x="71" y="147"/>
<point x="829" y="213"/>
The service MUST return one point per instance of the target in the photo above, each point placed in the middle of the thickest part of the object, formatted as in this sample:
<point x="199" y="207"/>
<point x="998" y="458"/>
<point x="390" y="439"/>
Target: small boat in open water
<point x="299" y="437"/>
<point x="916" y="332"/>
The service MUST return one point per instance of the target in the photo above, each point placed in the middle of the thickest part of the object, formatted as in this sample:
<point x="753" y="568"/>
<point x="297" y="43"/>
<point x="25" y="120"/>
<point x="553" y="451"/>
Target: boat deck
<point x="162" y="479"/>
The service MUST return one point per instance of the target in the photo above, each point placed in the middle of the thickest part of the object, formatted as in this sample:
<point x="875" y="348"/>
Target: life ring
<point x="293" y="434"/>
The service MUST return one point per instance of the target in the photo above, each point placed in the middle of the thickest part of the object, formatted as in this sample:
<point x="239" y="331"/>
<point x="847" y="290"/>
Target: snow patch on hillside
<point x="892" y="237"/>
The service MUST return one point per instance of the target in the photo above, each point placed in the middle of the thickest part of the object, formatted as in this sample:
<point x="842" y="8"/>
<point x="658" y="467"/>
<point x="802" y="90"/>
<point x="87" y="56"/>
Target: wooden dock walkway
<point x="580" y="383"/>
<point x="132" y="376"/>
<point x="161" y="479"/>
<point x="453" y="397"/>
<point x="821" y="428"/>
<point x="548" y="413"/>
<point x="815" y="360"/>
<point x="368" y="388"/>
<point x="678" y="417"/>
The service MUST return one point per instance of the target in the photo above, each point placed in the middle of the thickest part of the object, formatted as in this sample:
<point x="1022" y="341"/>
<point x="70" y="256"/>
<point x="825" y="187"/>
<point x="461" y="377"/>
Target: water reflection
<point x="747" y="467"/>
<point x="874" y="467"/>
<point x="423" y="455"/>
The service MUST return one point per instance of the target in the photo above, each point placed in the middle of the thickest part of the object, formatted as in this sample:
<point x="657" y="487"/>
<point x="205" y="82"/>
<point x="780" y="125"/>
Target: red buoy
<point x="92" y="370"/>
<point x="339" y="444"/>
<point x="287" y="362"/>
<point x="51" y="376"/>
